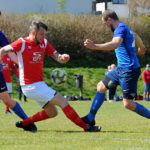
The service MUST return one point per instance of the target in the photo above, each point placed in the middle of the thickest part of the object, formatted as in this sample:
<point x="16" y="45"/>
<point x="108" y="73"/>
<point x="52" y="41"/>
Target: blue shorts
<point x="3" y="86"/>
<point x="146" y="87"/>
<point x="126" y="78"/>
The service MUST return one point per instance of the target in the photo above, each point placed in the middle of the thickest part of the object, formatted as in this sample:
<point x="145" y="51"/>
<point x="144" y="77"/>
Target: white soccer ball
<point x="59" y="76"/>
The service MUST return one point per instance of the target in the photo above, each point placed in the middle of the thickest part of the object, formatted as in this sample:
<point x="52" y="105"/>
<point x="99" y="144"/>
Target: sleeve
<point x="3" y="39"/>
<point x="49" y="49"/>
<point x="120" y="32"/>
<point x="16" y="46"/>
<point x="14" y="68"/>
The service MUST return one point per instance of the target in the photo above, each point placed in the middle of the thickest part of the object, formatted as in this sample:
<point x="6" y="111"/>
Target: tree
<point x="62" y="5"/>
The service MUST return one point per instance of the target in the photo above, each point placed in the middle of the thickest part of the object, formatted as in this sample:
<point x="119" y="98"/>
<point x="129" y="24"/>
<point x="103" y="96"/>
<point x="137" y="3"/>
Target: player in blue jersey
<point x="15" y="106"/>
<point x="126" y="73"/>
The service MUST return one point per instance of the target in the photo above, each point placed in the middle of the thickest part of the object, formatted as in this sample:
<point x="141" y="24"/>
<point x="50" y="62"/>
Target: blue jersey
<point x="3" y="39"/>
<point x="3" y="42"/>
<point x="125" y="53"/>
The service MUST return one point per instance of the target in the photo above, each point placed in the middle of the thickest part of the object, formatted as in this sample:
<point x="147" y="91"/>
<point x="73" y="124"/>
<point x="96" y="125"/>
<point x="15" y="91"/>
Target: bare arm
<point x="8" y="50"/>
<point x="139" y="43"/>
<point x="61" y="58"/>
<point x="106" y="46"/>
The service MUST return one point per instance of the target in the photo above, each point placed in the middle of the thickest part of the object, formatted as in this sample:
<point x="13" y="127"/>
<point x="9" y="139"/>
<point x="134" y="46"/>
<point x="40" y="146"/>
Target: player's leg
<point x="9" y="87"/>
<point x="71" y="114"/>
<point x="8" y="101"/>
<point x="129" y="88"/>
<point x="19" y="92"/>
<point x="50" y="111"/>
<point x="47" y="97"/>
<point x="96" y="104"/>
<point x="15" y="106"/>
<point x="109" y="82"/>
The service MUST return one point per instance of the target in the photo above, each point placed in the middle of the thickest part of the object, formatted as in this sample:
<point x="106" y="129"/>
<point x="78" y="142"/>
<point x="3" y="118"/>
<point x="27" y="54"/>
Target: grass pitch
<point x="121" y="130"/>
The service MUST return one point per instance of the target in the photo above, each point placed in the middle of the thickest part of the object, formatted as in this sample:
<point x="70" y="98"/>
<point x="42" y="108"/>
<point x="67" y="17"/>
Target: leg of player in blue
<point x="19" y="111"/>
<point x="141" y="110"/>
<point x="96" y="104"/>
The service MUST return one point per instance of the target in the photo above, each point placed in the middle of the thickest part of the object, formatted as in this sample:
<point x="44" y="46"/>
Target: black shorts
<point x="3" y="86"/>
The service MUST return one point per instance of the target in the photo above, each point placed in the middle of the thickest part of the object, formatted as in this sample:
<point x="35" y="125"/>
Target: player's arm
<point x="116" y="41"/>
<point x="8" y="50"/>
<point x="61" y="58"/>
<point x="5" y="50"/>
<point x="139" y="43"/>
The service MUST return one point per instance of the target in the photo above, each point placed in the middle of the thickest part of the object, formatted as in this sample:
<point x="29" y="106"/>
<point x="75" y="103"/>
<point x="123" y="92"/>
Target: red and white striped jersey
<point x="7" y="65"/>
<point x="30" y="59"/>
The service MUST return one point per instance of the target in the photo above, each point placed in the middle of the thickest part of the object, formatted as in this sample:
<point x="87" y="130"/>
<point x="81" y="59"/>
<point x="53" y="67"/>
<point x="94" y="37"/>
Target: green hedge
<point x="67" y="33"/>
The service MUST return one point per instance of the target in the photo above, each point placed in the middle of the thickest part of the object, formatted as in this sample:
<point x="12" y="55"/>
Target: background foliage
<point x="67" y="33"/>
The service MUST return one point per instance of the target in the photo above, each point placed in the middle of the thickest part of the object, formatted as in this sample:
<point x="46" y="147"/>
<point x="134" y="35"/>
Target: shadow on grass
<point x="61" y="131"/>
<point x="121" y="132"/>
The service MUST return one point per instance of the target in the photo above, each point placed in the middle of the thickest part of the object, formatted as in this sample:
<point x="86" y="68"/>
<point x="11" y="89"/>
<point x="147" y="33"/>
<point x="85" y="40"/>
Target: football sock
<point x="6" y="108"/>
<point x="141" y="110"/>
<point x="42" y="115"/>
<point x="96" y="104"/>
<point x="74" y="117"/>
<point x="19" y="111"/>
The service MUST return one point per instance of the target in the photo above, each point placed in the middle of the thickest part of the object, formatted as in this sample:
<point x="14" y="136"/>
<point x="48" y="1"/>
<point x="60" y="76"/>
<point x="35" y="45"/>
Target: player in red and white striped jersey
<point x="7" y="65"/>
<point x="30" y="53"/>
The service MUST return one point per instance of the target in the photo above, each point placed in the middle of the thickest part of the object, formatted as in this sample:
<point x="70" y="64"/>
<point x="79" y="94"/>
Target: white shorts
<point x="39" y="91"/>
<point x="9" y="87"/>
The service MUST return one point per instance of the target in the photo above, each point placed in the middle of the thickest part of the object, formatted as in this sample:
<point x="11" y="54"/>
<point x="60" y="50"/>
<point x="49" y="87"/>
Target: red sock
<point x="42" y="115"/>
<point x="6" y="108"/>
<point x="74" y="117"/>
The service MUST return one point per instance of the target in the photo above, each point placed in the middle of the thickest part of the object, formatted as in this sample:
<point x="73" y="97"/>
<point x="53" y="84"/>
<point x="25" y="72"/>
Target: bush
<point x="67" y="33"/>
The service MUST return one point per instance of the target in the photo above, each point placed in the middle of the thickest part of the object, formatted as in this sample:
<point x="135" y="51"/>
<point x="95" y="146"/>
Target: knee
<point x="101" y="87"/>
<point x="55" y="113"/>
<point x="129" y="105"/>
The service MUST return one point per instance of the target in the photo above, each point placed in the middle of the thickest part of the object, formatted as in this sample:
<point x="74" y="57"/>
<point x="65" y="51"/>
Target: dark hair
<point x="109" y="14"/>
<point x="36" y="25"/>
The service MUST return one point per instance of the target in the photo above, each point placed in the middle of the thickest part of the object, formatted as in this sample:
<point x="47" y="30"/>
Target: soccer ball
<point x="58" y="76"/>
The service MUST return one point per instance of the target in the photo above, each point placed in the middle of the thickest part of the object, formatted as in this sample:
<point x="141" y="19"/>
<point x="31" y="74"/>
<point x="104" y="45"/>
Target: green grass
<point x="121" y="130"/>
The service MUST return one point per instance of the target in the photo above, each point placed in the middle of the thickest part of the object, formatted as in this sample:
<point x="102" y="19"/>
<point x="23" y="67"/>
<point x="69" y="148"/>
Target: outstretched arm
<point x="139" y="43"/>
<point x="61" y="58"/>
<point x="106" y="46"/>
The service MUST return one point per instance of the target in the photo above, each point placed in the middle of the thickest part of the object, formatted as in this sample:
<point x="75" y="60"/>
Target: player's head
<point x="37" y="31"/>
<point x="108" y="18"/>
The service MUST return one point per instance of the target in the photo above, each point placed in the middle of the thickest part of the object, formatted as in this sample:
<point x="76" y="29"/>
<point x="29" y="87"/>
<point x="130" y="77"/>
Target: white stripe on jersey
<point x="21" y="69"/>
<point x="45" y="41"/>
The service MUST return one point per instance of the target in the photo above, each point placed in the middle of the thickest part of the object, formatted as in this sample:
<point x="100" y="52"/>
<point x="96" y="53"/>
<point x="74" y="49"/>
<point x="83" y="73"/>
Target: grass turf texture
<point x="122" y="130"/>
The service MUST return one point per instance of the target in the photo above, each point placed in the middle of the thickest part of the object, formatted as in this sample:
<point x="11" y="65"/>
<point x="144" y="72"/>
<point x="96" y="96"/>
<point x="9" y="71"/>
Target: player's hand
<point x="64" y="58"/>
<point x="89" y="44"/>
<point x="142" y="50"/>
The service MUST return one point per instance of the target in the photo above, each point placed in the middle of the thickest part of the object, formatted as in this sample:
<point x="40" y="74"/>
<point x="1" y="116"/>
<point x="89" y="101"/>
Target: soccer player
<point x="30" y="51"/>
<point x="7" y="65"/>
<point x="126" y="73"/>
<point x="11" y="103"/>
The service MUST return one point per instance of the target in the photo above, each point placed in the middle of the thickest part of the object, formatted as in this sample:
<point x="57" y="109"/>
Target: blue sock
<point x="96" y="104"/>
<point x="141" y="110"/>
<point x="19" y="111"/>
